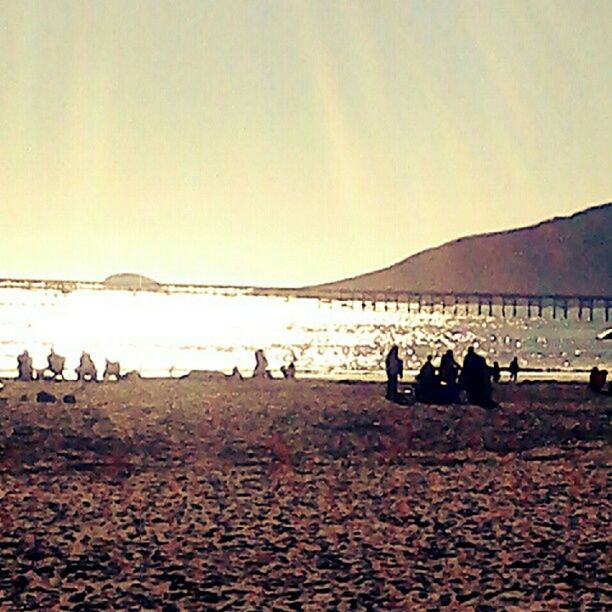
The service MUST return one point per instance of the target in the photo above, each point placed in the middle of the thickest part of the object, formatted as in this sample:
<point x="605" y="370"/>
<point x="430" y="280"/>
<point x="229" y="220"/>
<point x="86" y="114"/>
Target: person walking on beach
<point x="394" y="367"/>
<point x="514" y="369"/>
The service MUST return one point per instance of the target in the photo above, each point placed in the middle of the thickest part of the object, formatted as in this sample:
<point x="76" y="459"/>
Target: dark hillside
<point x="567" y="255"/>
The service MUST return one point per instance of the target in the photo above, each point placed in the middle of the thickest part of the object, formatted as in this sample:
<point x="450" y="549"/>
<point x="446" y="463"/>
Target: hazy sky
<point x="288" y="143"/>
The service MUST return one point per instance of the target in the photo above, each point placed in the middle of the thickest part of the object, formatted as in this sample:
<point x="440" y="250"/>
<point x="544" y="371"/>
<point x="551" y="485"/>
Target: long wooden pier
<point x="480" y="303"/>
<point x="504" y="304"/>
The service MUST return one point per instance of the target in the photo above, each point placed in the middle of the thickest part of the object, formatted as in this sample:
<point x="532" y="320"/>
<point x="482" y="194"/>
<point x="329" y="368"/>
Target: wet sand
<point x="171" y="495"/>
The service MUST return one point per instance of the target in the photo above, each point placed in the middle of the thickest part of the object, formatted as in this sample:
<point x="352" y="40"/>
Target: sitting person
<point x="87" y="369"/>
<point x="235" y="375"/>
<point x="56" y="364"/>
<point x="428" y="383"/>
<point x="597" y="379"/>
<point x="25" y="370"/>
<point x="261" y="365"/>
<point x="112" y="368"/>
<point x="288" y="371"/>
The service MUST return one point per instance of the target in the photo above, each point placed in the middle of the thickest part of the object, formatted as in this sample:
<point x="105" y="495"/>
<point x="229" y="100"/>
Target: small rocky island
<point x="127" y="281"/>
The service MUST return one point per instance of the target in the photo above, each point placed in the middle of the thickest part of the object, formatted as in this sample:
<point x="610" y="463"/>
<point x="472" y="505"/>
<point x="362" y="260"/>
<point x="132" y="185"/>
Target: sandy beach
<point x="301" y="495"/>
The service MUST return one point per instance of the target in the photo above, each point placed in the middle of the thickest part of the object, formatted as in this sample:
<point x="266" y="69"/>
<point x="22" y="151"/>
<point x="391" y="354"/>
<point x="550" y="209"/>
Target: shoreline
<point x="531" y="375"/>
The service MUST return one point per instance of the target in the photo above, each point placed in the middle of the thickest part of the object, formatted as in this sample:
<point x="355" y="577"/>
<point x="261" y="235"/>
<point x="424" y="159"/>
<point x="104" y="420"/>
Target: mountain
<point x="565" y="255"/>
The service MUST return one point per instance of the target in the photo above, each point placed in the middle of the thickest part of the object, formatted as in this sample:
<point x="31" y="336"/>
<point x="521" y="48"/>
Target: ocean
<point x="169" y="334"/>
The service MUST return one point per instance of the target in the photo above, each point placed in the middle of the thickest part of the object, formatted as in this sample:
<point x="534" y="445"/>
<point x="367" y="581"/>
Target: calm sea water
<point x="170" y="334"/>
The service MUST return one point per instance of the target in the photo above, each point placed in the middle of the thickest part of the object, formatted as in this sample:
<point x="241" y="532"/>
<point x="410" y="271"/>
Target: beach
<point x="201" y="493"/>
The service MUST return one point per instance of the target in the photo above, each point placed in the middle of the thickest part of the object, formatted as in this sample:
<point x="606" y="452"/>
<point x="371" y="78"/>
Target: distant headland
<point x="564" y="255"/>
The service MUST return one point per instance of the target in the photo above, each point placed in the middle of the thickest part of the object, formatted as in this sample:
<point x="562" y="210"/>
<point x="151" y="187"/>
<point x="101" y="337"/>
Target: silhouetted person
<point x="56" y="364"/>
<point x="288" y="371"/>
<point x="514" y="369"/>
<point x="496" y="372"/>
<point x="449" y="368"/>
<point x="476" y="379"/>
<point x="448" y="391"/>
<point x="235" y="375"/>
<point x="597" y="379"/>
<point x="394" y="367"/>
<point x="24" y="366"/>
<point x="427" y="383"/>
<point x="261" y="365"/>
<point x="86" y="368"/>
<point x="112" y="368"/>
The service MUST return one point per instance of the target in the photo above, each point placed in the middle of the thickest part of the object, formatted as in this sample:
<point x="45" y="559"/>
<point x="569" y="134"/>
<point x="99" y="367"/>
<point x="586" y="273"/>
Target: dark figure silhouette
<point x="394" y="367"/>
<point x="261" y="365"/>
<point x="449" y="368"/>
<point x="496" y="372"/>
<point x="24" y="366"/>
<point x="514" y="369"/>
<point x="111" y="369"/>
<point x="235" y="375"/>
<point x="87" y="369"/>
<point x="428" y="383"/>
<point x="288" y="371"/>
<point x="476" y="379"/>
<point x="467" y="368"/>
<point x="56" y="363"/>
<point x="597" y="379"/>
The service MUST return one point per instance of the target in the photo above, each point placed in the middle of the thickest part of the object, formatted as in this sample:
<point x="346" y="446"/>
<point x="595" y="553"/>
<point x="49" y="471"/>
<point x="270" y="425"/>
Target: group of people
<point x="85" y="371"/>
<point x="443" y="384"/>
<point x="261" y="370"/>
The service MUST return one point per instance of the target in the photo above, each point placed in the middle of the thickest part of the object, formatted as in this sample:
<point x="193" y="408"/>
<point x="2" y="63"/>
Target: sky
<point x="286" y="143"/>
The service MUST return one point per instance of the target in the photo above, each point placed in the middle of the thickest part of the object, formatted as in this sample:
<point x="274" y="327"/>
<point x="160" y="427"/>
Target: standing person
<point x="394" y="367"/>
<point x="514" y="369"/>
<point x="449" y="368"/>
<point x="468" y="368"/>
<point x="476" y="379"/>
<point x="496" y="372"/>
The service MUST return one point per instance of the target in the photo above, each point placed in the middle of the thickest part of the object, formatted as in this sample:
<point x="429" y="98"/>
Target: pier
<point x="586" y="307"/>
<point x="488" y="304"/>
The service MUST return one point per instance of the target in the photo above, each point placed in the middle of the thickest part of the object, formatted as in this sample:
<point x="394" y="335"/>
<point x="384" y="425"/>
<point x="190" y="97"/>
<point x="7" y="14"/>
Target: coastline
<point x="526" y="375"/>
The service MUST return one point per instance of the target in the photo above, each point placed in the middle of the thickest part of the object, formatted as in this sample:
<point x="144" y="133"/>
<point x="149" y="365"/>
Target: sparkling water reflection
<point x="161" y="334"/>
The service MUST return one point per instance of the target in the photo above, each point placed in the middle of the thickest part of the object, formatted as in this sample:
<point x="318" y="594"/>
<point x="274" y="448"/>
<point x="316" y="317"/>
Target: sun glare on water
<point x="161" y="334"/>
